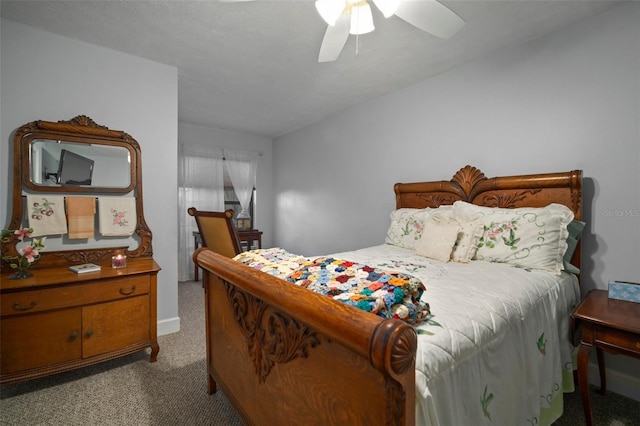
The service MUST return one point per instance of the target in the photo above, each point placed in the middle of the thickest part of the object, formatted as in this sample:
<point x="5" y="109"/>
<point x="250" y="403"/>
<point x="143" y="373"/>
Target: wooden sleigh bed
<point x="285" y="355"/>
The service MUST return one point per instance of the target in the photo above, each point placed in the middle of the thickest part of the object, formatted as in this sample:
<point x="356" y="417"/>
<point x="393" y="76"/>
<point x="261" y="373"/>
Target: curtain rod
<point x="220" y="148"/>
<point x="244" y="150"/>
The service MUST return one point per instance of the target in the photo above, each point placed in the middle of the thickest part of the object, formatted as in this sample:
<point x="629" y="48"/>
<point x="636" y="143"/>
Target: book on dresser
<point x="84" y="268"/>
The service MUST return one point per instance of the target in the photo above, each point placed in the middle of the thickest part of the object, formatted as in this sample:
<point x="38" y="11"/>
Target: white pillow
<point x="469" y="233"/>
<point x="406" y="225"/>
<point x="466" y="246"/>
<point x="438" y="240"/>
<point x="527" y="237"/>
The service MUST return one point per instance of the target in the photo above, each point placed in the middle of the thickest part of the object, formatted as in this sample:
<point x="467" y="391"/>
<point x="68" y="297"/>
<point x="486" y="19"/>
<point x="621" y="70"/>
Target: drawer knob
<point x="89" y="333"/>
<point x="73" y="336"/>
<point x="19" y="307"/>
<point x="127" y="292"/>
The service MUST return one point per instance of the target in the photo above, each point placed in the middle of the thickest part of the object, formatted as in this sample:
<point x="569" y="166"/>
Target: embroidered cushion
<point x="526" y="237"/>
<point x="406" y="225"/>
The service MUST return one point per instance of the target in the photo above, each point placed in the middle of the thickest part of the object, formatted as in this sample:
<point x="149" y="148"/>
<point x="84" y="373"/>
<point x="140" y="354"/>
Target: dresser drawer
<point x="39" y="300"/>
<point x="74" y="295"/>
<point x="115" y="289"/>
<point x="617" y="340"/>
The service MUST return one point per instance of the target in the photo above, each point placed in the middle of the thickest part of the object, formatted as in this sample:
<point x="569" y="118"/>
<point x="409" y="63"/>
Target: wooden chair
<point x="217" y="231"/>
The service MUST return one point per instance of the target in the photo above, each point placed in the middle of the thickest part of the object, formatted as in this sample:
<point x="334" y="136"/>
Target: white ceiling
<point x="252" y="66"/>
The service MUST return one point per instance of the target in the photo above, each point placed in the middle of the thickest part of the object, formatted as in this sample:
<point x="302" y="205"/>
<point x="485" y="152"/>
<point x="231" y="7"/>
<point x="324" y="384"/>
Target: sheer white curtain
<point x="200" y="185"/>
<point x="242" y="166"/>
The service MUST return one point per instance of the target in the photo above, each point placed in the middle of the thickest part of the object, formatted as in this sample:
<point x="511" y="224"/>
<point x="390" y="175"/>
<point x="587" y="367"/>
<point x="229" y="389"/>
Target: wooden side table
<point x="251" y="236"/>
<point x="610" y="325"/>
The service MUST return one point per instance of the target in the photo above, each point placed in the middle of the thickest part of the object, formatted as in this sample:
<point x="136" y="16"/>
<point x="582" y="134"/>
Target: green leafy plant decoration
<point x="485" y="401"/>
<point x="405" y="230"/>
<point x="26" y="255"/>
<point x="38" y="210"/>
<point x="495" y="230"/>
<point x="542" y="344"/>
<point x="429" y="320"/>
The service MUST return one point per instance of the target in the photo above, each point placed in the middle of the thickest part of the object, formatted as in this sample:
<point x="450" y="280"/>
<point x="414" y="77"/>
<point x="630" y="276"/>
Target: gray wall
<point x="48" y="77"/>
<point x="566" y="101"/>
<point x="264" y="205"/>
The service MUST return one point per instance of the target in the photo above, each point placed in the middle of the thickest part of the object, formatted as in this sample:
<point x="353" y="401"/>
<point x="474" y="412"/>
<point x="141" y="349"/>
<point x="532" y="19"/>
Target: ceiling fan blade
<point x="334" y="39"/>
<point x="430" y="16"/>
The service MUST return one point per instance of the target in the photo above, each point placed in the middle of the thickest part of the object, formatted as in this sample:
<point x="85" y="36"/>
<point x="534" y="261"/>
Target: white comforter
<point x="496" y="349"/>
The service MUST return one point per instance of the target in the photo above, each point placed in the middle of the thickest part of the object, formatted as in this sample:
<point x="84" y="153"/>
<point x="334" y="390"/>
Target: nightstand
<point x="610" y="325"/>
<point x="250" y="239"/>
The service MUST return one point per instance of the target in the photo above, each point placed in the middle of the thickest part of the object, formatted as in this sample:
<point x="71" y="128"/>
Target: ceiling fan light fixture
<point x="361" y="18"/>
<point x="387" y="7"/>
<point x="347" y="17"/>
<point x="330" y="10"/>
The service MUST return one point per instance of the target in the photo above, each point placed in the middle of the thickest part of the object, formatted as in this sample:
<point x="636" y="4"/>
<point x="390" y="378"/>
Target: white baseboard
<point x="168" y="326"/>
<point x="620" y="383"/>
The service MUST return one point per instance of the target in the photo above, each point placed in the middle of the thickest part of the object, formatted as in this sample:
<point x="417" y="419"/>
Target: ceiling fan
<point x="346" y="17"/>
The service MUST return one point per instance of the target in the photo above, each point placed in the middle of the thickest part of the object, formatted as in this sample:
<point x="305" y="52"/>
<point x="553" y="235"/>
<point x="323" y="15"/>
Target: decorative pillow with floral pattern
<point x="406" y="225"/>
<point x="527" y="237"/>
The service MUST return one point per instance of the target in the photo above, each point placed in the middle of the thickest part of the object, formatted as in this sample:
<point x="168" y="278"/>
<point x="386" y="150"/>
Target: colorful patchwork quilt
<point x="386" y="293"/>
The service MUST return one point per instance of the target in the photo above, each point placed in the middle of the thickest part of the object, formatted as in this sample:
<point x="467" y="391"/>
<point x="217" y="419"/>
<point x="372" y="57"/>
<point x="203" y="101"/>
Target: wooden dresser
<point x="58" y="320"/>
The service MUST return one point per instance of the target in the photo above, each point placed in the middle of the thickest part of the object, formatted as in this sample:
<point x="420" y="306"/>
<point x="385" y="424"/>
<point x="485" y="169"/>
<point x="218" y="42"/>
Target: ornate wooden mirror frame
<point x="79" y="130"/>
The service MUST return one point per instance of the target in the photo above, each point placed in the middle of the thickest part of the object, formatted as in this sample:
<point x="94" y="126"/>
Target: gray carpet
<point x="130" y="390"/>
<point x="173" y="391"/>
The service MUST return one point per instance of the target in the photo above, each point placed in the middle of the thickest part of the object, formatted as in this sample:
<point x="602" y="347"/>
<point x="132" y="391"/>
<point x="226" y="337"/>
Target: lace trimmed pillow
<point x="438" y="240"/>
<point x="389" y="294"/>
<point x="444" y="238"/>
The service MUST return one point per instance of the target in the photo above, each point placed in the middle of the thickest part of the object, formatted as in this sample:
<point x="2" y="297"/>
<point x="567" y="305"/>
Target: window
<point x="231" y="202"/>
<point x="240" y="186"/>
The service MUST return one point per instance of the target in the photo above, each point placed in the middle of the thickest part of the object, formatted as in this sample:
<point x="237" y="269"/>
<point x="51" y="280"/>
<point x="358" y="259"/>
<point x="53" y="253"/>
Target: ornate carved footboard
<point x="285" y="355"/>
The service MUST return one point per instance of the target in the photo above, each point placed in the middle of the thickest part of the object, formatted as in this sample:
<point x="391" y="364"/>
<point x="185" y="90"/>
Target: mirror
<point x="60" y="163"/>
<point x="78" y="158"/>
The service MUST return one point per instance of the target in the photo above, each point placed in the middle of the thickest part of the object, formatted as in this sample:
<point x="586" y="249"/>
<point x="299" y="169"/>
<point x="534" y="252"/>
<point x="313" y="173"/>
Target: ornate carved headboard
<point x="471" y="185"/>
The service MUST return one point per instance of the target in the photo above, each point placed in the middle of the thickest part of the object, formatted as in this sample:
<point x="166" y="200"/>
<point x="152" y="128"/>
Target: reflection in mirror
<point x="60" y="163"/>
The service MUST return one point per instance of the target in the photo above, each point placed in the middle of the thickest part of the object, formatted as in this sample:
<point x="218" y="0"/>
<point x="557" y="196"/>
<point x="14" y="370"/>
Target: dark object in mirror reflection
<point x="74" y="169"/>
